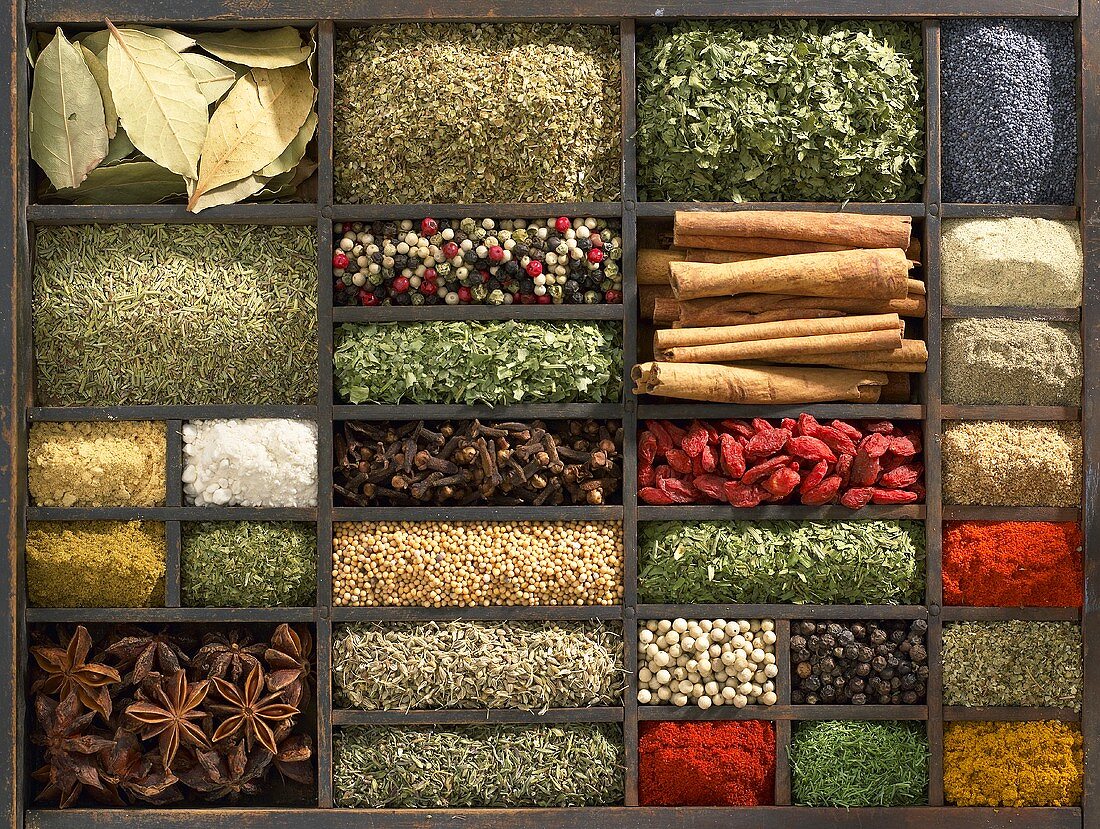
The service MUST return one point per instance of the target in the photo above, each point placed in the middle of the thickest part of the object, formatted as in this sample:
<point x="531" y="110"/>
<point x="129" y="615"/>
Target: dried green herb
<point x="467" y="113"/>
<point x="175" y="314"/>
<point x="1012" y="663"/>
<point x="479" y="362"/>
<point x="532" y="666"/>
<point x="798" y="110"/>
<point x="480" y="766"/>
<point x="248" y="564"/>
<point x="802" y="562"/>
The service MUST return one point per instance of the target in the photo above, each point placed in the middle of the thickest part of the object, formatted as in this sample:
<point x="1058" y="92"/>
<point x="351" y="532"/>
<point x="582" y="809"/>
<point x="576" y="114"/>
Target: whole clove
<point x="469" y="462"/>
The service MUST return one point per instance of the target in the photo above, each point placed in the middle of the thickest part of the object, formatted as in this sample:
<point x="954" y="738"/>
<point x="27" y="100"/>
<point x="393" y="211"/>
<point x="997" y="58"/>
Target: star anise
<point x="249" y="710"/>
<point x="126" y="768"/>
<point x="288" y="660"/>
<point x="147" y="654"/>
<point x="169" y="714"/>
<point x="67" y="671"/>
<point x="229" y="656"/>
<point x="235" y="773"/>
<point x="294" y="758"/>
<point x="70" y="749"/>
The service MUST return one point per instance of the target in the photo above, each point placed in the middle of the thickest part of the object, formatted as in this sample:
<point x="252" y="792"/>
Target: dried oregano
<point x="465" y="113"/>
<point x="527" y="665"/>
<point x="175" y="314"/>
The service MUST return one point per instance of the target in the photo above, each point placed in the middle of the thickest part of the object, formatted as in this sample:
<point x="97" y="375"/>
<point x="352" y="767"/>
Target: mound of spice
<point x="532" y="666"/>
<point x="479" y="766"/>
<point x="706" y="763"/>
<point x="861" y="663"/>
<point x="1012" y="463"/>
<point x="261" y="462"/>
<point x="477" y="563"/>
<point x="1011" y="362"/>
<point x="718" y="105"/>
<point x="85" y="464"/>
<point x="1009" y="103"/>
<point x="835" y="763"/>
<point x="155" y="718"/>
<point x="471" y="362"/>
<point x="519" y="113"/>
<point x="95" y="564"/>
<point x="470" y="462"/>
<point x="1012" y="564"/>
<point x="1013" y="763"/>
<point x="707" y="662"/>
<point x="248" y="564"/>
<point x="1020" y="663"/>
<point x="1035" y="263"/>
<point x="476" y="262"/>
<point x="765" y="562"/>
<point x="181" y="314"/>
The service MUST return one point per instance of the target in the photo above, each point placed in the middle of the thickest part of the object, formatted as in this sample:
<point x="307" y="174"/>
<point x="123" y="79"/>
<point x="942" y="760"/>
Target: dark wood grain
<point x="474" y="717"/>
<point x="138" y="615"/>
<point x="797" y="512"/>
<point x="1010" y="312"/>
<point x="260" y="214"/>
<point x="422" y="614"/>
<point x="604" y="513"/>
<point x="952" y="412"/>
<point x="650" y="209"/>
<point x="403" y="313"/>
<point x="785" y="712"/>
<point x="173" y="531"/>
<point x="781" y="611"/>
<point x="1042" y="614"/>
<point x="521" y="411"/>
<point x="822" y="411"/>
<point x="1065" y="212"/>
<point x="75" y="413"/>
<point x="955" y="512"/>
<point x="185" y="513"/>
<point x="958" y="713"/>
<point x="379" y="212"/>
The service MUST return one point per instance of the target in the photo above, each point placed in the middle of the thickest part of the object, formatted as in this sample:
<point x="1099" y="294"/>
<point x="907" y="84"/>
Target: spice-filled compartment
<point x="174" y="716"/>
<point x="143" y="115"/>
<point x="780" y="307"/>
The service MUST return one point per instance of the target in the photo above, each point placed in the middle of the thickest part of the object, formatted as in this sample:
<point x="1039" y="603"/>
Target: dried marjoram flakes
<point x="465" y="113"/>
<point x="1012" y="463"/>
<point x="120" y="464"/>
<point x="175" y="314"/>
<point x="95" y="564"/>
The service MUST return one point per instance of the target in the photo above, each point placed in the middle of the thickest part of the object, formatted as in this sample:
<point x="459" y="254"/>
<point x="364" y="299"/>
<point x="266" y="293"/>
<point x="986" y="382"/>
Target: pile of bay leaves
<point x="140" y="115"/>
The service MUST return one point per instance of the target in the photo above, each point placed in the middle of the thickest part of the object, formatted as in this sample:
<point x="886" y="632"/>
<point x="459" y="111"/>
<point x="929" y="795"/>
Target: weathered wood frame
<point x="17" y="410"/>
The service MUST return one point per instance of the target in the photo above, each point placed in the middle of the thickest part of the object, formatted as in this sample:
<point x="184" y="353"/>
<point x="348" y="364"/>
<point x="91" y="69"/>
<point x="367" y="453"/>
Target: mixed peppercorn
<point x="477" y="262"/>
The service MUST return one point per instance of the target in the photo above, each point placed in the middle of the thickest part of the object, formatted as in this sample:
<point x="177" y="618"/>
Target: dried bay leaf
<point x="135" y="182"/>
<point x="294" y="152"/>
<point x="95" y="42"/>
<point x="269" y="49"/>
<point x="258" y="119"/>
<point x="119" y="147"/>
<point x="158" y="100"/>
<point x="230" y="193"/>
<point x="214" y="77"/>
<point x="99" y="72"/>
<point x="177" y="41"/>
<point x="67" y="123"/>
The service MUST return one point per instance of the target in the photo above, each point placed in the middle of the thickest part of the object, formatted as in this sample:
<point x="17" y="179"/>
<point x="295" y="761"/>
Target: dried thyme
<point x="531" y="666"/>
<point x="484" y="766"/>
<point x="175" y="314"/>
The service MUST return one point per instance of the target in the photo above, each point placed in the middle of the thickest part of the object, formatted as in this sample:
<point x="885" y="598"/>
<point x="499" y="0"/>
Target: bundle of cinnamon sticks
<point x="782" y="307"/>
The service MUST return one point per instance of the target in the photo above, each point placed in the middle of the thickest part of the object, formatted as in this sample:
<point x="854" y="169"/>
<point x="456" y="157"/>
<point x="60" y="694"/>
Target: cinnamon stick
<point x="898" y="388"/>
<point x="670" y="338"/>
<point x="911" y="356"/>
<point x="916" y="286"/>
<point x="665" y="310"/>
<point x="734" y="310"/>
<point x="736" y="318"/>
<point x="873" y="274"/>
<point x="845" y="230"/>
<point x="747" y="244"/>
<point x="883" y="340"/>
<point x="755" y="384"/>
<point x="648" y="295"/>
<point x="652" y="267"/>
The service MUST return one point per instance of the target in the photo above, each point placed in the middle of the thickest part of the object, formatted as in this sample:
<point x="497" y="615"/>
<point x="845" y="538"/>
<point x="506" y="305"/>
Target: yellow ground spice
<point x="95" y="564"/>
<point x="97" y="464"/>
<point x="1013" y="763"/>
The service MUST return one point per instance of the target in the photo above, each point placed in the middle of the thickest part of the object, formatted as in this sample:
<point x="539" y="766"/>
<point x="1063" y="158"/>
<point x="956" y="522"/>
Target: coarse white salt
<point x="261" y="462"/>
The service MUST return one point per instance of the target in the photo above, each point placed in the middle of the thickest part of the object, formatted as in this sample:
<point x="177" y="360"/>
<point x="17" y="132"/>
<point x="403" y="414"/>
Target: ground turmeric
<point x="1013" y="763"/>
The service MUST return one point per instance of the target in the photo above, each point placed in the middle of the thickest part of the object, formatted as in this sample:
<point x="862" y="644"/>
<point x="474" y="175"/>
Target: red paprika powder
<point x="706" y="763"/>
<point x="1012" y="564"/>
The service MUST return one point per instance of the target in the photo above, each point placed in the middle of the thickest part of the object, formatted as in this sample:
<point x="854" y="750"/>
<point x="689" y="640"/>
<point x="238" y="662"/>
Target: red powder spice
<point x="707" y="763"/>
<point x="1012" y="564"/>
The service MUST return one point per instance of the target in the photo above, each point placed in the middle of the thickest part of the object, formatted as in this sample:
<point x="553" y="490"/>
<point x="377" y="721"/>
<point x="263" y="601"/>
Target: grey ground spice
<point x="182" y="314"/>
<point x="88" y="464"/>
<point x="1011" y="362"/>
<point x="465" y="113"/>
<point x="1012" y="663"/>
<point x="1012" y="463"/>
<point x="1035" y="263"/>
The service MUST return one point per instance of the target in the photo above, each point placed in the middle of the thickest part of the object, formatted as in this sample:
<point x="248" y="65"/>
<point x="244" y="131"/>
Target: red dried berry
<point x="844" y="468"/>
<point x="679" y="460"/>
<point x="856" y="498"/>
<point x="880" y="427"/>
<point x="347" y="227"/>
<point x="613" y="296"/>
<point x="739" y="428"/>
<point x="427" y="287"/>
<point x="790" y="424"/>
<point x="646" y="476"/>
<point x="901" y="477"/>
<point x="464" y="294"/>
<point x="807" y="423"/>
<point x="740" y="495"/>
<point x="823" y="493"/>
<point x="709" y="459"/>
<point x="811" y="449"/>
<point x="647" y="449"/>
<point x="534" y="268"/>
<point x="903" y="447"/>
<point x="429" y="227"/>
<point x="764" y="469"/>
<point x="782" y="482"/>
<point x="563" y="224"/>
<point x="451" y="250"/>
<point x="893" y="496"/>
<point x="340" y="286"/>
<point x="695" y="440"/>
<point x="847" y="428"/>
<point x="664" y="439"/>
<point x="654" y="496"/>
<point x="401" y="284"/>
<point x="814" y="476"/>
<point x="875" y="444"/>
<point x="766" y="443"/>
<point x="340" y="260"/>
<point x="595" y="255"/>
<point x="369" y="299"/>
<point x="732" y="456"/>
<point x="544" y="299"/>
<point x="431" y="274"/>
<point x="713" y="486"/>
<point x="865" y="469"/>
<point x="496" y="253"/>
<point x="680" y="491"/>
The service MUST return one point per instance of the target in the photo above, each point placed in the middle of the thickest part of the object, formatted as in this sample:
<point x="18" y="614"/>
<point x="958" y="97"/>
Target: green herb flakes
<point x="801" y="562"/>
<point x="798" y="110"/>
<point x="181" y="314"/>
<point x="248" y="564"/>
<point x="497" y="363"/>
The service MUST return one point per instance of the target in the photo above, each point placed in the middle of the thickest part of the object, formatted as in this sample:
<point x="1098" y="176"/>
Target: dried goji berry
<point x="733" y="456"/>
<point x="697" y="465"/>
<point x="875" y="445"/>
<point x="893" y="496"/>
<point x="844" y="468"/>
<point x="903" y="447"/>
<point x="835" y="439"/>
<point x="647" y="476"/>
<point x="782" y="482"/>
<point x="848" y="429"/>
<point x="918" y="490"/>
<point x="740" y="495"/>
<point x="652" y="495"/>
<point x="712" y="433"/>
<point x="675" y="432"/>
<point x="880" y="427"/>
<point x="678" y="459"/>
<point x="695" y="440"/>
<point x="810" y="448"/>
<point x="764" y="469"/>
<point x="788" y="423"/>
<point x="712" y="486"/>
<point x="760" y="425"/>
<point x="915" y="438"/>
<point x="664" y="439"/>
<point x="647" y="449"/>
<point x="709" y="459"/>
<point x="661" y="472"/>
<point x="814" y="476"/>
<point x="823" y="493"/>
<point x="904" y="476"/>
<point x="807" y="423"/>
<point x="680" y="491"/>
<point x="856" y="498"/>
<point x="739" y="428"/>
<point x="765" y="444"/>
<point x="865" y="469"/>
